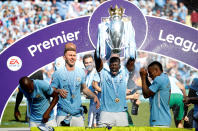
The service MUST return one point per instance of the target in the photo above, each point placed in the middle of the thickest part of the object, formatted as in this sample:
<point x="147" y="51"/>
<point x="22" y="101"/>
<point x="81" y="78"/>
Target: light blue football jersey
<point x="159" y="103"/>
<point x="39" y="100"/>
<point x="71" y="81"/>
<point x="113" y="87"/>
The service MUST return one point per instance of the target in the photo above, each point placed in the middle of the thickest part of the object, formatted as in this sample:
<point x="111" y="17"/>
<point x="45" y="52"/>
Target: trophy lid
<point x="116" y="11"/>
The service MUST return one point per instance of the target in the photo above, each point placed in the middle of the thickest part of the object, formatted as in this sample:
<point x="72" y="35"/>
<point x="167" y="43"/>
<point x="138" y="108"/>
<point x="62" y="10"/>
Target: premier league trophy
<point x="116" y="29"/>
<point x="116" y="33"/>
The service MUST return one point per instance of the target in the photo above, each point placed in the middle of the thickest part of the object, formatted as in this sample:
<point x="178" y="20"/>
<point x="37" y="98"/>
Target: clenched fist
<point x="143" y="72"/>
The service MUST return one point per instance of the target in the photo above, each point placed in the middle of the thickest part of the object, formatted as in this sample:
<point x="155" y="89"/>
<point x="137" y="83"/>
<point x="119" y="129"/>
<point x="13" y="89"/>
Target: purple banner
<point x="172" y="39"/>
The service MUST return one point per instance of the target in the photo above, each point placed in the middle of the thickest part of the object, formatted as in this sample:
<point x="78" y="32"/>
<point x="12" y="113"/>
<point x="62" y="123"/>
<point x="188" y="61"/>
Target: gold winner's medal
<point x="73" y="96"/>
<point x="117" y="100"/>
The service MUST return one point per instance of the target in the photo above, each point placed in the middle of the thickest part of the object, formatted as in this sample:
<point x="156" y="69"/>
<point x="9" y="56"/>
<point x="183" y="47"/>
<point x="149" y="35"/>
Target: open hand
<point x="46" y="116"/>
<point x="97" y="102"/>
<point x="17" y="115"/>
<point x="63" y="93"/>
<point x="186" y="100"/>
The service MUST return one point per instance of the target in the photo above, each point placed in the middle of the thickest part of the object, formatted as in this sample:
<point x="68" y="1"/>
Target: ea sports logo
<point x="14" y="63"/>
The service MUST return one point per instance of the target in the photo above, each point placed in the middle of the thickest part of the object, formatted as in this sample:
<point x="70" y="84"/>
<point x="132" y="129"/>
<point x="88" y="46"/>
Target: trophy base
<point x="116" y="51"/>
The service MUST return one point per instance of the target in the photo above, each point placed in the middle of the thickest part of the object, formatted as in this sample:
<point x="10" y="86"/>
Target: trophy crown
<point x="116" y="11"/>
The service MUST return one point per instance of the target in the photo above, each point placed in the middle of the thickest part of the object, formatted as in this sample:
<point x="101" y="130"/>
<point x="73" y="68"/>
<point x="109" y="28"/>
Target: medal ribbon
<point x="116" y="92"/>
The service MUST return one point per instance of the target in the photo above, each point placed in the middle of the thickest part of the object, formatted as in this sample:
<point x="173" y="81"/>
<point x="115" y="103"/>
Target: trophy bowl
<point x="115" y="32"/>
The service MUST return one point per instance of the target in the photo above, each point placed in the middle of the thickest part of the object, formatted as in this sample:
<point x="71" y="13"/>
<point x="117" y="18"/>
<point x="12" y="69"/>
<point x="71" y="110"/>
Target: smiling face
<point x="114" y="65"/>
<point x="70" y="58"/>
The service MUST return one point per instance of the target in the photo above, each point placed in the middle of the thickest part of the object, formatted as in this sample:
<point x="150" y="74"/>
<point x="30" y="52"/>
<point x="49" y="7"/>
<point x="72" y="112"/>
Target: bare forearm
<point x="184" y="92"/>
<point x="193" y="100"/>
<point x="18" y="100"/>
<point x="98" y="63"/>
<point x="182" y="88"/>
<point x="54" y="101"/>
<point x="145" y="89"/>
<point x="147" y="82"/>
<point x="128" y="97"/>
<point x="131" y="97"/>
<point x="89" y="93"/>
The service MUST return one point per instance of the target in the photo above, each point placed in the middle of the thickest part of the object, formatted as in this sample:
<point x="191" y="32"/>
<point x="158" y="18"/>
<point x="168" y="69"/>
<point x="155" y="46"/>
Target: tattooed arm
<point x="90" y="95"/>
